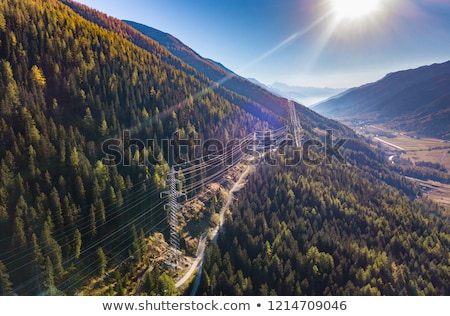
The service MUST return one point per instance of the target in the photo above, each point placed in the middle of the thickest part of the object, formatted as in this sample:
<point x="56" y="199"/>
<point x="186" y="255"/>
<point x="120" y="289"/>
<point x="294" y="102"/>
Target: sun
<point x="354" y="9"/>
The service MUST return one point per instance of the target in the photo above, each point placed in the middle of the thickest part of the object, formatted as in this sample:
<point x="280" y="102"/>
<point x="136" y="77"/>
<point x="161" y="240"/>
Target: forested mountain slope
<point x="259" y="103"/>
<point x="66" y="86"/>
<point x="232" y="87"/>
<point x="328" y="230"/>
<point x="214" y="71"/>
<point x="69" y="85"/>
<point x="414" y="100"/>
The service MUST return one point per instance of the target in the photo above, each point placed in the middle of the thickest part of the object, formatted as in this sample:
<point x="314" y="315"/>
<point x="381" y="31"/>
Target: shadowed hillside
<point x="413" y="100"/>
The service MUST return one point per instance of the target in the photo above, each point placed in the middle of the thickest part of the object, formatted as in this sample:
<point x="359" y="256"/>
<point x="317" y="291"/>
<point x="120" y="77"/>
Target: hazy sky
<point x="301" y="42"/>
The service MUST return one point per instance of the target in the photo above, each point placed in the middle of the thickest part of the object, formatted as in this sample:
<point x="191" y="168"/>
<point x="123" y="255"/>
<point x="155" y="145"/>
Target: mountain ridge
<point x="214" y="70"/>
<point x="218" y="73"/>
<point x="249" y="96"/>
<point x="398" y="97"/>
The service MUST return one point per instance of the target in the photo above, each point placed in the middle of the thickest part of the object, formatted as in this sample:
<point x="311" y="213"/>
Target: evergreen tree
<point x="56" y="207"/>
<point x="77" y="241"/>
<point x="92" y="221"/>
<point x="166" y="285"/>
<point x="136" y="249"/>
<point x="49" y="278"/>
<point x="18" y="237"/>
<point x="101" y="261"/>
<point x="5" y="283"/>
<point x="51" y="248"/>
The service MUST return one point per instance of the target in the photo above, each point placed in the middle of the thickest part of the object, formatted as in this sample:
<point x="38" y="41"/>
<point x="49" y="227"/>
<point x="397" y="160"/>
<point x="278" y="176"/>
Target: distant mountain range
<point x="415" y="100"/>
<point x="307" y="96"/>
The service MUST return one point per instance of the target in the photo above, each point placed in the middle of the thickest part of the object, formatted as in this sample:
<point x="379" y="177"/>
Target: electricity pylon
<point x="173" y="207"/>
<point x="295" y="125"/>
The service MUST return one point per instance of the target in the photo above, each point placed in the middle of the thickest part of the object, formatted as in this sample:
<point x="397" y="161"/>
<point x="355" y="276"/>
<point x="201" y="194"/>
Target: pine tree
<point x="103" y="128"/>
<point x="148" y="286"/>
<point x="51" y="248"/>
<point x="37" y="261"/>
<point x="9" y="93"/>
<point x="5" y="283"/>
<point x="100" y="210"/>
<point x="80" y="190"/>
<point x="2" y="23"/>
<point x="32" y="162"/>
<point x="166" y="285"/>
<point x="119" y="289"/>
<point x="143" y="242"/>
<point x="92" y="221"/>
<point x="4" y="216"/>
<point x="38" y="76"/>
<point x="101" y="261"/>
<point x="136" y="251"/>
<point x="88" y="120"/>
<point x="77" y="241"/>
<point x="74" y="158"/>
<point x="49" y="278"/>
<point x="32" y="132"/>
<point x="37" y="253"/>
<point x="19" y="238"/>
<point x="56" y="207"/>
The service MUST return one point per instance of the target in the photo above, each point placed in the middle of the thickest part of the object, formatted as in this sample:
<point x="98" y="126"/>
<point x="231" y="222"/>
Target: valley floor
<point x="436" y="191"/>
<point x="399" y="145"/>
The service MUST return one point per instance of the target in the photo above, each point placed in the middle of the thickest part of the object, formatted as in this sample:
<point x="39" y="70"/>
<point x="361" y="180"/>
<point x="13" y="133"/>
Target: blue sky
<point x="300" y="42"/>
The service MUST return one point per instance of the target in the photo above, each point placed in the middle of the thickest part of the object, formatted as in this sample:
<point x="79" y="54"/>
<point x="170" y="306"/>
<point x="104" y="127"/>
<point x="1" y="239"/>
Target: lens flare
<point x="354" y="9"/>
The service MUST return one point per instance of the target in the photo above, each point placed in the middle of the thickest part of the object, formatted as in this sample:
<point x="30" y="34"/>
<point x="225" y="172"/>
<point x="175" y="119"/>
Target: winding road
<point x="198" y="262"/>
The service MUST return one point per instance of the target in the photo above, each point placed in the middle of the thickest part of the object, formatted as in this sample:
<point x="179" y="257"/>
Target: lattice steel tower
<point x="296" y="127"/>
<point x="173" y="207"/>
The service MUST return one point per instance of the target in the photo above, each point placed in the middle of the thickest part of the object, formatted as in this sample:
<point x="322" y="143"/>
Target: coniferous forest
<point x="328" y="230"/>
<point x="67" y="85"/>
<point x="69" y="213"/>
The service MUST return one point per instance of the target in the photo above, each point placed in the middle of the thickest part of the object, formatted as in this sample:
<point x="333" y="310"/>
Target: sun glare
<point x="354" y="9"/>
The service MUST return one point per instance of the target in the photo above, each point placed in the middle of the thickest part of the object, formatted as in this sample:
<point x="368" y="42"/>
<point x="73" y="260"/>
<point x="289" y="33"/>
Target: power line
<point x="295" y="125"/>
<point x="197" y="174"/>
